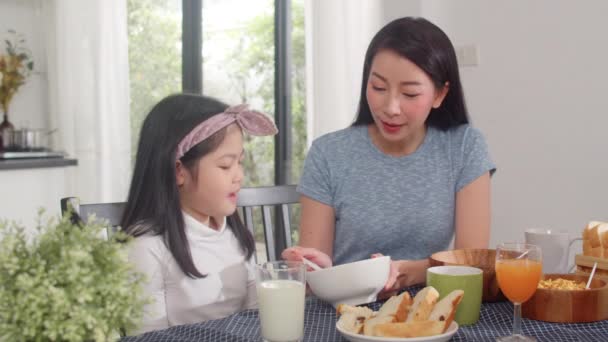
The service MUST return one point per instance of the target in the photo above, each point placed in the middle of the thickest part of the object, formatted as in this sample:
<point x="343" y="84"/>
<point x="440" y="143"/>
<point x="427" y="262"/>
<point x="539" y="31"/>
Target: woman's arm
<point x="472" y="214"/>
<point x="317" y="225"/>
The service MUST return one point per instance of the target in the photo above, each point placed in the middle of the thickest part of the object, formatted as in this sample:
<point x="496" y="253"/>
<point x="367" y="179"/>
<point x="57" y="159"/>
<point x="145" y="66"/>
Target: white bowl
<point x="353" y="283"/>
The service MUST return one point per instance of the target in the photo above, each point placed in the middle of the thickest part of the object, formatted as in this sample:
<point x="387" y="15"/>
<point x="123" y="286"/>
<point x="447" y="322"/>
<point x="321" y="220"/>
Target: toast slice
<point x="353" y="317"/>
<point x="409" y="329"/>
<point x="396" y="306"/>
<point x="370" y="324"/>
<point x="350" y="322"/>
<point x="593" y="234"/>
<point x="360" y="311"/>
<point x="423" y="304"/>
<point x="404" y="307"/>
<point x="595" y="239"/>
<point x="602" y="232"/>
<point x="445" y="309"/>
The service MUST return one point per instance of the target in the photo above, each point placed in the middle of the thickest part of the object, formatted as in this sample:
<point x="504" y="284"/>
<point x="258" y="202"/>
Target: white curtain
<point x="89" y="92"/>
<point x="337" y="35"/>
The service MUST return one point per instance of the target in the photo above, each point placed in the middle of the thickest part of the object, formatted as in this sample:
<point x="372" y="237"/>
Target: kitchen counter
<point x="35" y="163"/>
<point x="29" y="184"/>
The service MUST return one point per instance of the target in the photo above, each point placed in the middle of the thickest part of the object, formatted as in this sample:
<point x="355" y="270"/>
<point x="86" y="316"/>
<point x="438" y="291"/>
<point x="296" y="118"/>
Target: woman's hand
<point x="403" y="273"/>
<point x="296" y="253"/>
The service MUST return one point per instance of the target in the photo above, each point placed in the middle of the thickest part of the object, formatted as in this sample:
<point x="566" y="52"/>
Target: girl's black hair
<point x="427" y="46"/>
<point x="153" y="205"/>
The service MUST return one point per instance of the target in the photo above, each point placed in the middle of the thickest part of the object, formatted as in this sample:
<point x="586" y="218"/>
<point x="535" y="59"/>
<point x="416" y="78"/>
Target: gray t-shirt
<point x="398" y="206"/>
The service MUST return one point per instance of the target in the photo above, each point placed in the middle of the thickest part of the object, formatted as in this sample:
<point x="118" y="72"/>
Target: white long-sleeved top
<point x="229" y="286"/>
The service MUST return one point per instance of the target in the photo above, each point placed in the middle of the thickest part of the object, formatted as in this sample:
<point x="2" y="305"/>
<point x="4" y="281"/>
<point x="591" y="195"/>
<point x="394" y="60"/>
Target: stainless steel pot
<point x="26" y="139"/>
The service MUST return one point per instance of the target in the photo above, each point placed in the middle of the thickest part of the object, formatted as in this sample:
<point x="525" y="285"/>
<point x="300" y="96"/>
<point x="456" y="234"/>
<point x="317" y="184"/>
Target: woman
<point x="409" y="174"/>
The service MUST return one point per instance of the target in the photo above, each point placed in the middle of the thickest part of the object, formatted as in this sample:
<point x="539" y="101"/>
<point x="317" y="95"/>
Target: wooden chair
<point x="280" y="197"/>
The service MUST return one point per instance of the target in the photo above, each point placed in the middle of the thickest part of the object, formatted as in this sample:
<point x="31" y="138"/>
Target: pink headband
<point x="250" y="121"/>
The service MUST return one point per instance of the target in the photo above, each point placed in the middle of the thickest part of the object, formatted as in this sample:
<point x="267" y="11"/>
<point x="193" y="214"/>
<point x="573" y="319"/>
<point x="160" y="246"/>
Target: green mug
<point x="446" y="279"/>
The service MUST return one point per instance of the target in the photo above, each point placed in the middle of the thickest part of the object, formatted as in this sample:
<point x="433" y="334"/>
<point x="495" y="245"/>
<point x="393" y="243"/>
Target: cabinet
<point x="27" y="185"/>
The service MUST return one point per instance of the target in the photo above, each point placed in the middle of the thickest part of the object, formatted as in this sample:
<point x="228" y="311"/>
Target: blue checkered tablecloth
<point x="320" y="325"/>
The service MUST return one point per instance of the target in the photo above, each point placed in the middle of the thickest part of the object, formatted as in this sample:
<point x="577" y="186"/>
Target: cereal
<point x="560" y="284"/>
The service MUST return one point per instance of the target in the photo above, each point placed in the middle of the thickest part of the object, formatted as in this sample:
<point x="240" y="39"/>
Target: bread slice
<point x="587" y="249"/>
<point x="445" y="309"/>
<point x="359" y="311"/>
<point x="404" y="307"/>
<point x="602" y="232"/>
<point x="595" y="239"/>
<point x="409" y="329"/>
<point x="594" y="236"/>
<point x="350" y="322"/>
<point x="370" y="324"/>
<point x="396" y="306"/>
<point x="423" y="304"/>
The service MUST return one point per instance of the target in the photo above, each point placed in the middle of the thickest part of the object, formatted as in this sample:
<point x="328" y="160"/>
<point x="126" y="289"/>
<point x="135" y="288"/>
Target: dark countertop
<point x="35" y="163"/>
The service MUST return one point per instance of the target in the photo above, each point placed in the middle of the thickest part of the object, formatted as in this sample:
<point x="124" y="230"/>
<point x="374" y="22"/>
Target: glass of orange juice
<point x="518" y="270"/>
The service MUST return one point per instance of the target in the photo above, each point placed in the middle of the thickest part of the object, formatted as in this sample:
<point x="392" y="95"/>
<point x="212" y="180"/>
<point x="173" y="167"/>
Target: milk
<point x="281" y="304"/>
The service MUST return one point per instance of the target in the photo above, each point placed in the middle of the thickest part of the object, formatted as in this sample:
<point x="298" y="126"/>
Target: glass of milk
<point x="281" y="288"/>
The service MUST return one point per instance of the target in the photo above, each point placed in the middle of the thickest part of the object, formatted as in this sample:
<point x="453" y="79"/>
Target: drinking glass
<point x="518" y="270"/>
<point x="281" y="289"/>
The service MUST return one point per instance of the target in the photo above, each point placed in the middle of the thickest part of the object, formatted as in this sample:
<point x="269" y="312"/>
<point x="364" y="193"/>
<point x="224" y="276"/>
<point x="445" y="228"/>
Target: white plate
<point x="437" y="338"/>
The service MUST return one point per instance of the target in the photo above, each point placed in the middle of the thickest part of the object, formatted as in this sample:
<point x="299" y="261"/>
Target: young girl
<point x="189" y="240"/>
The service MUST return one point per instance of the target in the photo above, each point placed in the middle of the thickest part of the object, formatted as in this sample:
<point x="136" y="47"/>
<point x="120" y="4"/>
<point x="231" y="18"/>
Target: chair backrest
<point x="280" y="197"/>
<point x="110" y="212"/>
<point x="267" y="197"/>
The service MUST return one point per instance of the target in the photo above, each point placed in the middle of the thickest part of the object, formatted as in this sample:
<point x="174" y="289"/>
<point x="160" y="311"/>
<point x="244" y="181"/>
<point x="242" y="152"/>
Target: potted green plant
<point x="66" y="282"/>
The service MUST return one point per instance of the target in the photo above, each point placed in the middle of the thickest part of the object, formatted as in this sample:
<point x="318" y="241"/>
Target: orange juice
<point x="518" y="278"/>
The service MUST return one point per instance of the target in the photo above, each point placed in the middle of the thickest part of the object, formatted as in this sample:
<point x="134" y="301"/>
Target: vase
<point x="5" y="126"/>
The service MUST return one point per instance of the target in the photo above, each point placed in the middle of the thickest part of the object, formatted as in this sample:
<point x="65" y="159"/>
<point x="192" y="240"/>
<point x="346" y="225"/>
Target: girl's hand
<point x="403" y="273"/>
<point x="296" y="253"/>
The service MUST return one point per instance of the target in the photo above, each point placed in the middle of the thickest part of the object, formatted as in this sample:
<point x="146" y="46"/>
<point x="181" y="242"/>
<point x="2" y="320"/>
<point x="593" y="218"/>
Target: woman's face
<point x="212" y="192"/>
<point x="400" y="97"/>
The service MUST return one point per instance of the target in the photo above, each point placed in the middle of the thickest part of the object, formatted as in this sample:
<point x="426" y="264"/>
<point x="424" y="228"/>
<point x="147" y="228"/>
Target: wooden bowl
<point x="569" y="306"/>
<point x="480" y="258"/>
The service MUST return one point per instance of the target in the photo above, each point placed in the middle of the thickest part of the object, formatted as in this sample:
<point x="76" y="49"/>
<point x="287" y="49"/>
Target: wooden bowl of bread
<point x="563" y="298"/>
<point x="483" y="259"/>
<point x="402" y="317"/>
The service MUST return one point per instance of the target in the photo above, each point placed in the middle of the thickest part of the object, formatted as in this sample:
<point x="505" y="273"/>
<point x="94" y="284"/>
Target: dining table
<point x="320" y="319"/>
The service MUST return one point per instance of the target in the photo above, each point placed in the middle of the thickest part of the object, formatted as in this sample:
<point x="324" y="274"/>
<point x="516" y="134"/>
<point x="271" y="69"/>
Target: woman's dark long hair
<point x="427" y="46"/>
<point x="153" y="205"/>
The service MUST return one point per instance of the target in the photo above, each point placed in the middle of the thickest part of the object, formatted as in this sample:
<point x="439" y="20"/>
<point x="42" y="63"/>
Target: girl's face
<point x="212" y="190"/>
<point x="400" y="97"/>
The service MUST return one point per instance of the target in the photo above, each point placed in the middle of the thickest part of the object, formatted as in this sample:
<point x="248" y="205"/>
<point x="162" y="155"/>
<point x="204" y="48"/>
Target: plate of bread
<point x="402" y="318"/>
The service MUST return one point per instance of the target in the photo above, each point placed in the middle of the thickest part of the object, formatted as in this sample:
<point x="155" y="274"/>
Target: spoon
<point x="591" y="275"/>
<point x="311" y="264"/>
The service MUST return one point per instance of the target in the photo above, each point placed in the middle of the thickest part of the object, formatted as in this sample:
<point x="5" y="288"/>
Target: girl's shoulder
<point x="148" y="243"/>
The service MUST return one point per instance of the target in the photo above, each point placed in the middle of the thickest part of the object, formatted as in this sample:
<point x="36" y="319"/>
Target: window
<point x="238" y="65"/>
<point x="155" y="62"/>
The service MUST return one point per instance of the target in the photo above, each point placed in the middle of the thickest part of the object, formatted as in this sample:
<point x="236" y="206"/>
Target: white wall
<point x="29" y="106"/>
